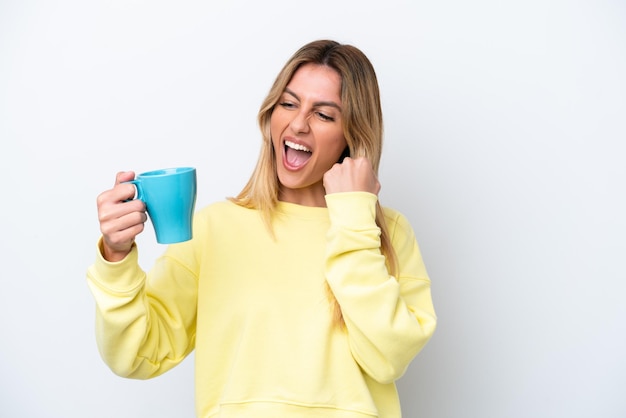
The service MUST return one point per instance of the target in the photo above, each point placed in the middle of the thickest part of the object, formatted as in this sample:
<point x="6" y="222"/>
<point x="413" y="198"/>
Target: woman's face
<point x="307" y="133"/>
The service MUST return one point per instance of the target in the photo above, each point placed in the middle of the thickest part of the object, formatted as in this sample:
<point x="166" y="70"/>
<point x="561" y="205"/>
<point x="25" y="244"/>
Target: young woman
<point x="302" y="296"/>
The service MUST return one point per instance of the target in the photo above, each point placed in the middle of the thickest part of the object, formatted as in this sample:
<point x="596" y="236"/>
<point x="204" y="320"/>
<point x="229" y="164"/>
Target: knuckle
<point x="106" y="230"/>
<point x="102" y="198"/>
<point x="103" y="214"/>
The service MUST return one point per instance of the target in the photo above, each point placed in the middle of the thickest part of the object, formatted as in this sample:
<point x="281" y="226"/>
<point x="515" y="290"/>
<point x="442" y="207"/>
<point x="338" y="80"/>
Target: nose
<point x="300" y="122"/>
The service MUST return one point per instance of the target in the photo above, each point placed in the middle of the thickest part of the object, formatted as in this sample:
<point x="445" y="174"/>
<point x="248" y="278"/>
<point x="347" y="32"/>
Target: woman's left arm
<point x="388" y="319"/>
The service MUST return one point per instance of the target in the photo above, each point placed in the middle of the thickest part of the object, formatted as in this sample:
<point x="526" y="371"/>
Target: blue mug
<point x="170" y="198"/>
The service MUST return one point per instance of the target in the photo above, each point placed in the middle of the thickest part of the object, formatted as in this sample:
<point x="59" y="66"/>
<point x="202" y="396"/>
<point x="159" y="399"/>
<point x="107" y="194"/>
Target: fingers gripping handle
<point x="138" y="190"/>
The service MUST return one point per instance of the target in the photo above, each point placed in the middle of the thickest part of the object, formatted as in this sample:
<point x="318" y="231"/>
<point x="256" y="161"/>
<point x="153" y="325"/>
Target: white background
<point x="505" y="147"/>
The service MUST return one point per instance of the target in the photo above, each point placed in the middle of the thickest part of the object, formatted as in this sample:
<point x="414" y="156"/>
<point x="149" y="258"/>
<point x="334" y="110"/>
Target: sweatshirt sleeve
<point x="145" y="323"/>
<point x="388" y="319"/>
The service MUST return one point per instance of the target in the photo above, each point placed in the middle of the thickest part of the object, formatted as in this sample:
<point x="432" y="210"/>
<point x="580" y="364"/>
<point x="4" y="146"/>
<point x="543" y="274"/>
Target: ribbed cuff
<point x="354" y="210"/>
<point x="120" y="277"/>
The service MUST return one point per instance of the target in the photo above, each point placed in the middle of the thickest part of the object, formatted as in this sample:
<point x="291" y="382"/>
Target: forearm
<point x="139" y="334"/>
<point x="387" y="320"/>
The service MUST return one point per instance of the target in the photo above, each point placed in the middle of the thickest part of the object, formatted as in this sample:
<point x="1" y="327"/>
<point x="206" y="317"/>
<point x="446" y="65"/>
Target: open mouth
<point x="296" y="155"/>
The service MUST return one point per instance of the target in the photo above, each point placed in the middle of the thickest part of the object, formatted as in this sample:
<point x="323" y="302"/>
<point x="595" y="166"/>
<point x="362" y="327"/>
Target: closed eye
<point x="325" y="117"/>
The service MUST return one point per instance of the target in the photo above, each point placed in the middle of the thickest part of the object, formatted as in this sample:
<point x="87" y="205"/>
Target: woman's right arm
<point x="145" y="324"/>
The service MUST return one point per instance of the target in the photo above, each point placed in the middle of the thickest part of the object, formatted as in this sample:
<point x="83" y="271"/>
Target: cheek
<point x="339" y="144"/>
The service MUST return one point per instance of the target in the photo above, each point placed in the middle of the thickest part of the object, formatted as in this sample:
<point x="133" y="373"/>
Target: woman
<point x="301" y="296"/>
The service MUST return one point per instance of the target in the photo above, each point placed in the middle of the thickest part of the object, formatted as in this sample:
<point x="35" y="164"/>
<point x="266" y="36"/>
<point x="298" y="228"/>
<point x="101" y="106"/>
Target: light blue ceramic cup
<point x="170" y="198"/>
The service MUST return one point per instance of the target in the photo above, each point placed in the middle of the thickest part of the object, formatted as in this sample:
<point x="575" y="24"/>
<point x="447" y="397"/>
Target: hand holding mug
<point x="121" y="219"/>
<point x="167" y="196"/>
<point x="351" y="175"/>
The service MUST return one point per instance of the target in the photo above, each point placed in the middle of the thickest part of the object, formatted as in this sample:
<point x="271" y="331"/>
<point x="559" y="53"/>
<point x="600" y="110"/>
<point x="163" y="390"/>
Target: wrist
<point x="113" y="255"/>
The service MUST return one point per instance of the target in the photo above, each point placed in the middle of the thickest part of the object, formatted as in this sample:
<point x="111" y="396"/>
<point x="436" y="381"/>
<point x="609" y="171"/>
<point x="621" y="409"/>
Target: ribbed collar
<point x="302" y="212"/>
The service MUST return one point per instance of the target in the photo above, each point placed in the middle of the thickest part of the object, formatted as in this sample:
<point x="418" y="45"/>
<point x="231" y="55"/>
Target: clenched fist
<point x="351" y="175"/>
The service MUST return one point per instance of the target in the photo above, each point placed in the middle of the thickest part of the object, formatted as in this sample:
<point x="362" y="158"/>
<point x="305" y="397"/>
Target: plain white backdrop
<point x="505" y="147"/>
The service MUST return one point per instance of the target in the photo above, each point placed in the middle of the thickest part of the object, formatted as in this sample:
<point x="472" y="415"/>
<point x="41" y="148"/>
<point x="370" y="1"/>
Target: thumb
<point x="123" y="176"/>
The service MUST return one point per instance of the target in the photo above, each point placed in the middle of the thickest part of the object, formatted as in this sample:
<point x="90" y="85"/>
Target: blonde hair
<point x="362" y="128"/>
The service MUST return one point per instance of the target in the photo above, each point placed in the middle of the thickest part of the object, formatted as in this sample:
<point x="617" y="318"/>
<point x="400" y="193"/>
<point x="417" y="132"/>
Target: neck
<point x="309" y="196"/>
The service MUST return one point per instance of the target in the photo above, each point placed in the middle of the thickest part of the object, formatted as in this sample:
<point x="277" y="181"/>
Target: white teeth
<point x="297" y="147"/>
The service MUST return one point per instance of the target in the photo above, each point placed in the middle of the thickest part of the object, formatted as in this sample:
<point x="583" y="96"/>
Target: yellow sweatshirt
<point x="256" y="311"/>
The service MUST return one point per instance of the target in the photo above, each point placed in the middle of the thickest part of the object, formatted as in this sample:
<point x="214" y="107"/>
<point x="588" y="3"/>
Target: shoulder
<point x="222" y="221"/>
<point x="223" y="212"/>
<point x="222" y="207"/>
<point x="395" y="219"/>
<point x="404" y="242"/>
<point x="399" y="228"/>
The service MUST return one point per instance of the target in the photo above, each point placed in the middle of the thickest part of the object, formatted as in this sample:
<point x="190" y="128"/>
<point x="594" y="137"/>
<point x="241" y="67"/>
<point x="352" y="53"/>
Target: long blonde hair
<point x="362" y="128"/>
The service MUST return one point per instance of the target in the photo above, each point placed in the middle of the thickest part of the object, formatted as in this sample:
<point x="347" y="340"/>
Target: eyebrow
<point x="316" y="104"/>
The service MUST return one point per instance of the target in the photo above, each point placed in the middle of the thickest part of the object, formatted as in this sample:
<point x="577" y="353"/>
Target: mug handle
<point x="138" y="190"/>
